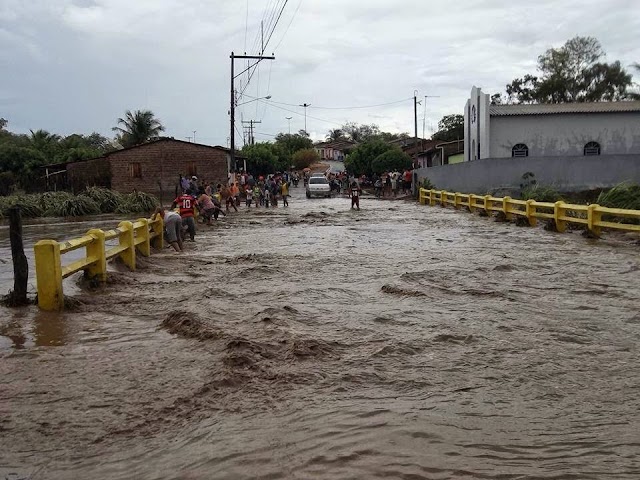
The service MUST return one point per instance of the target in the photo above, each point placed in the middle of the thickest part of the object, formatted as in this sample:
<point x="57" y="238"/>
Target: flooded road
<point x="400" y="341"/>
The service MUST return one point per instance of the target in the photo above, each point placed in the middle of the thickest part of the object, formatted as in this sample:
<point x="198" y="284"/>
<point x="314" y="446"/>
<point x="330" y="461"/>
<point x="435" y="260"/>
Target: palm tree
<point x="45" y="142"/>
<point x="138" y="127"/>
<point x="635" y="95"/>
<point x="335" y="134"/>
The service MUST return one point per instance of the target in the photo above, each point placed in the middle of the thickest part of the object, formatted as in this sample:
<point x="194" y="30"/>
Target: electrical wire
<point x="288" y="26"/>
<point x="298" y="113"/>
<point x="340" y="108"/>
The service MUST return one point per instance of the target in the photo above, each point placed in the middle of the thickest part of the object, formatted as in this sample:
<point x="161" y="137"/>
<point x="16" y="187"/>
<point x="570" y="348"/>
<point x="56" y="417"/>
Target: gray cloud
<point x="77" y="65"/>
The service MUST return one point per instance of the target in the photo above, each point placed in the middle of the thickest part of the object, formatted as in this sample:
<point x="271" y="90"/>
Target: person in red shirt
<point x="187" y="205"/>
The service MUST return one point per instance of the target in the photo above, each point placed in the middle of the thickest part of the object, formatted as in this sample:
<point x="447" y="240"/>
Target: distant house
<point x="549" y="130"/>
<point x="153" y="167"/>
<point x="442" y="153"/>
<point x="334" y="150"/>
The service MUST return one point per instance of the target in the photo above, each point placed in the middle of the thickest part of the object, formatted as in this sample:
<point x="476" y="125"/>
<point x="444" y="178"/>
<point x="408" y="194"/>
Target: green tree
<point x="391" y="161"/>
<point x="3" y="123"/>
<point x="303" y="158"/>
<point x="335" y="135"/>
<point x="262" y="158"/>
<point x="360" y="160"/>
<point x="137" y="127"/>
<point x="46" y="143"/>
<point x="360" y="133"/>
<point x="450" y="127"/>
<point x="572" y="73"/>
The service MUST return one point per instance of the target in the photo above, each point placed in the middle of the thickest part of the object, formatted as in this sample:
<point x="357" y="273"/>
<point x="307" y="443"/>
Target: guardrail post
<point x="471" y="204"/>
<point x="98" y="269"/>
<point x="157" y="225"/>
<point x="559" y="211"/>
<point x="593" y="219"/>
<point x="486" y="204"/>
<point x="505" y="208"/>
<point x="126" y="240"/>
<point x="456" y="200"/>
<point x="49" y="275"/>
<point x="530" y="210"/>
<point x="143" y="232"/>
<point x="432" y="197"/>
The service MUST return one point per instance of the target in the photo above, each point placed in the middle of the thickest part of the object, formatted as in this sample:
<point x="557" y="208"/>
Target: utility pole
<point x="305" y="105"/>
<point x="424" y="119"/>
<point x="188" y="138"/>
<point x="251" y="124"/>
<point x="289" y="118"/>
<point x="415" y="117"/>
<point x="194" y="136"/>
<point x="232" y="110"/>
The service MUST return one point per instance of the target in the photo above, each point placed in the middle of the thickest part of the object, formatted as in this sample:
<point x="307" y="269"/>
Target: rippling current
<point x="400" y="341"/>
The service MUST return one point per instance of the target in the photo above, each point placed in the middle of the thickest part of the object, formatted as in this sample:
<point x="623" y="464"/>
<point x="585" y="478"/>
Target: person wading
<point x="355" y="192"/>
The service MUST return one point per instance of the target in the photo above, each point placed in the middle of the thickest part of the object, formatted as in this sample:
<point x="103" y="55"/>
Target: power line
<point x="341" y="108"/>
<point x="298" y="113"/>
<point x="288" y="26"/>
<point x="275" y="25"/>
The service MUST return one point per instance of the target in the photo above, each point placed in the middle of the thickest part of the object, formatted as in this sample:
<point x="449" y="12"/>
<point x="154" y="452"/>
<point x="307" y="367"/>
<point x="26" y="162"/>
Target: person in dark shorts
<point x="172" y="228"/>
<point x="355" y="192"/>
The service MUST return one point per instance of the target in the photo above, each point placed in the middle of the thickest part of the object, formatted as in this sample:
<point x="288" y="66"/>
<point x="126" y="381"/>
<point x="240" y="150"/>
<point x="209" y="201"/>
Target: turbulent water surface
<point x="400" y="341"/>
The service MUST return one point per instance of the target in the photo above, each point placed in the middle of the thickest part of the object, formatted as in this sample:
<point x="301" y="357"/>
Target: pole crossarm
<point x="232" y="109"/>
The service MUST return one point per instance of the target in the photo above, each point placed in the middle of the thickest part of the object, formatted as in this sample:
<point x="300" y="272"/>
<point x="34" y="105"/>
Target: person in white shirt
<point x="172" y="226"/>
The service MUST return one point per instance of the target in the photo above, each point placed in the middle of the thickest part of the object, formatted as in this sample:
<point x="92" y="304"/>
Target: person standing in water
<point x="355" y="192"/>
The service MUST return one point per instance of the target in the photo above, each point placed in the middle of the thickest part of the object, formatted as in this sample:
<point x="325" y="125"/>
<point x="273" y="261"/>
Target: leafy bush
<point x="29" y="203"/>
<point x="77" y="206"/>
<point x="540" y="194"/>
<point x="426" y="184"/>
<point x="107" y="199"/>
<point x="49" y="200"/>
<point x="303" y="158"/>
<point x="137" y="202"/>
<point x="621" y="196"/>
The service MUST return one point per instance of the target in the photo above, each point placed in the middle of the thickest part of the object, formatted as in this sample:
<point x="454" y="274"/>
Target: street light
<point x="305" y="105"/>
<point x="249" y="101"/>
<point x="289" y="118"/>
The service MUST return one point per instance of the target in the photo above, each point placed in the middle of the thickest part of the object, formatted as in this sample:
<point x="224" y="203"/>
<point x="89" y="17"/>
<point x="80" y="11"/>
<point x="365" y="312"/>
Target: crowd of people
<point x="203" y="200"/>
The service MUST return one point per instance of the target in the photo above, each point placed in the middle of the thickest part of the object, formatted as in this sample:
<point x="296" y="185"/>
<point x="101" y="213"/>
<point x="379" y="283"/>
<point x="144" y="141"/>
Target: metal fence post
<point x="49" y="275"/>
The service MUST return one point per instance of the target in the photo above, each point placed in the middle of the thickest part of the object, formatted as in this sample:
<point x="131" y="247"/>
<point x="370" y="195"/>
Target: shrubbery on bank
<point x="92" y="201"/>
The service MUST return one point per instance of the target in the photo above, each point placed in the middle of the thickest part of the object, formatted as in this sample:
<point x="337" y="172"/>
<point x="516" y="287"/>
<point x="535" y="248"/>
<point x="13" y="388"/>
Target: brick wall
<point x="162" y="162"/>
<point x="89" y="173"/>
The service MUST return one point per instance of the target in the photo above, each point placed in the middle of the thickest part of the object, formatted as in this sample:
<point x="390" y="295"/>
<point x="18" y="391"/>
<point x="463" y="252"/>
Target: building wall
<point x="96" y="172"/>
<point x="566" y="134"/>
<point x="162" y="163"/>
<point x="476" y="124"/>
<point x="457" y="158"/>
<point x="566" y="174"/>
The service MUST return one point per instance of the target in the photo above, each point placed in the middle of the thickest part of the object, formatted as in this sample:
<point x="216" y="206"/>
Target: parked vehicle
<point x="318" y="186"/>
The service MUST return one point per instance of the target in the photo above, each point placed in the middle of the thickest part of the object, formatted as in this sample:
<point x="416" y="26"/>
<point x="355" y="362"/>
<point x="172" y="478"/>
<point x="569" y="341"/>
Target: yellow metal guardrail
<point x="131" y="236"/>
<point x="562" y="213"/>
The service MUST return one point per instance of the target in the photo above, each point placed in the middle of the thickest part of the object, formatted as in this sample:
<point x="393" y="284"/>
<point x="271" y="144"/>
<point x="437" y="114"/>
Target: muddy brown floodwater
<point x="400" y="341"/>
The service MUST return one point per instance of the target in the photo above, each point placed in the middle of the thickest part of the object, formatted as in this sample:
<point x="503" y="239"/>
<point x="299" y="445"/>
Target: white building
<point x="550" y="130"/>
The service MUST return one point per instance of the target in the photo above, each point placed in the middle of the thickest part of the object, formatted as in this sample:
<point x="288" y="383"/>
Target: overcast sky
<point x="75" y="66"/>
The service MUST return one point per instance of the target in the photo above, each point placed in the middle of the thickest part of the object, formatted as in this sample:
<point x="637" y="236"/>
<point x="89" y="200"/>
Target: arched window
<point x="520" y="150"/>
<point x="592" y="148"/>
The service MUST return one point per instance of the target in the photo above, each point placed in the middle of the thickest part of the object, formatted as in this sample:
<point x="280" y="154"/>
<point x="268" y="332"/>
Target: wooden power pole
<point x="232" y="110"/>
